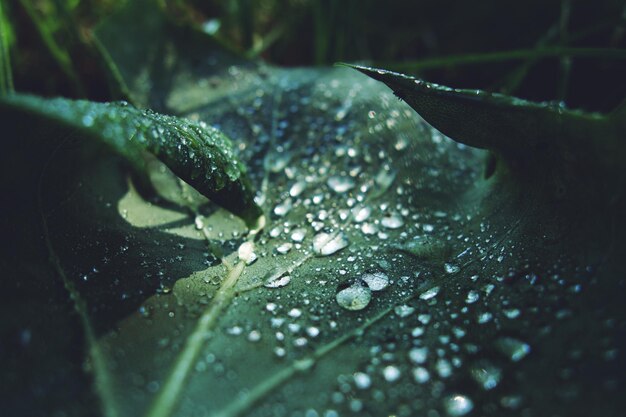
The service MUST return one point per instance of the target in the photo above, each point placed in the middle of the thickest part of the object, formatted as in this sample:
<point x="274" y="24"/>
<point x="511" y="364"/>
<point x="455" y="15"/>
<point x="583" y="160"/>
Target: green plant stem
<point x="6" y="76"/>
<point x="168" y="396"/>
<point x="514" y="55"/>
<point x="60" y="56"/>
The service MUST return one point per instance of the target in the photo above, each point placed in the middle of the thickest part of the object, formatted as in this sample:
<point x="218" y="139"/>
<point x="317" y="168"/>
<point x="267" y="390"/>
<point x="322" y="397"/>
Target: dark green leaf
<point x="196" y="152"/>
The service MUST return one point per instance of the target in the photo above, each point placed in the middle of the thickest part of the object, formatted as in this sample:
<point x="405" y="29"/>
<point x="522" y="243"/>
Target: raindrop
<point x="362" y="380"/>
<point x="354" y="297"/>
<point x="444" y="368"/>
<point x="278" y="282"/>
<point x="472" y="297"/>
<point x="283" y="208"/>
<point x="391" y="373"/>
<point x="420" y="375"/>
<point x="392" y="222"/>
<point x="486" y="375"/>
<point x="451" y="268"/>
<point x="418" y="355"/>
<point x="428" y="294"/>
<point x="325" y="244"/>
<point x="284" y="248"/>
<point x="246" y="252"/>
<point x="297" y="188"/>
<point x="515" y="349"/>
<point x="377" y="281"/>
<point x="403" y="310"/>
<point x="340" y="184"/>
<point x="361" y="213"/>
<point x="254" y="336"/>
<point x="457" y="405"/>
<point x="298" y="234"/>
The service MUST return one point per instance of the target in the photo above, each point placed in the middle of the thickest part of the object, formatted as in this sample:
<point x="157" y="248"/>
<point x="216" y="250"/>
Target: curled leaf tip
<point x="511" y="127"/>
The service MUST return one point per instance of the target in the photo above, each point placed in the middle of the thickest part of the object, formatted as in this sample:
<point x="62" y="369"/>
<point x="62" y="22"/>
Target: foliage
<point x="399" y="271"/>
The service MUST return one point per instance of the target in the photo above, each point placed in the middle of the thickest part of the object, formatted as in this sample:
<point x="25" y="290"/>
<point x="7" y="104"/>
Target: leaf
<point x="499" y="301"/>
<point x="197" y="153"/>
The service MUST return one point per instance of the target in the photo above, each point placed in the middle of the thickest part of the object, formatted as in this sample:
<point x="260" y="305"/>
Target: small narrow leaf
<point x="199" y="154"/>
<point x="513" y="128"/>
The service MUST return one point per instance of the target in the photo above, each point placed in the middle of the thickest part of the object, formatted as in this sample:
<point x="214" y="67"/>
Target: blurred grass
<point x="541" y="50"/>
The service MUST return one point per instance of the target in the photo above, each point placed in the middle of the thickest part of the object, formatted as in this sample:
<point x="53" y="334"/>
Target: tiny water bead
<point x="355" y="297"/>
<point x="325" y="244"/>
<point x="376" y="281"/>
<point x="486" y="375"/>
<point x="278" y="282"/>
<point x="392" y="222"/>
<point x="340" y="185"/>
<point x="246" y="252"/>
<point x="457" y="405"/>
<point x="362" y="380"/>
<point x="391" y="373"/>
<point x="428" y="294"/>
<point x="514" y="349"/>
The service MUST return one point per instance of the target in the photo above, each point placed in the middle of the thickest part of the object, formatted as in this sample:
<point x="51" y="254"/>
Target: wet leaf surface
<point x="497" y="298"/>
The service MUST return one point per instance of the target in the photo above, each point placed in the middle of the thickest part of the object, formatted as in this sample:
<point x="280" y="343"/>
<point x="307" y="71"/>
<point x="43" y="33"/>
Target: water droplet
<point x="487" y="375"/>
<point x="361" y="213"/>
<point x="284" y="248"/>
<point x="391" y="373"/>
<point x="246" y="252"/>
<point x="392" y="222"/>
<point x="444" y="368"/>
<point x="428" y="294"/>
<point x="418" y="355"/>
<point x="298" y="234"/>
<point x="515" y="349"/>
<point x="295" y="313"/>
<point x="325" y="244"/>
<point x="283" y="208"/>
<point x="420" y="375"/>
<point x="354" y="297"/>
<point x="297" y="188"/>
<point x="340" y="184"/>
<point x="278" y="282"/>
<point x="472" y="297"/>
<point x="512" y="313"/>
<point x="362" y="380"/>
<point x="254" y="336"/>
<point x="376" y="281"/>
<point x="451" y="268"/>
<point x="403" y="310"/>
<point x="457" y="405"/>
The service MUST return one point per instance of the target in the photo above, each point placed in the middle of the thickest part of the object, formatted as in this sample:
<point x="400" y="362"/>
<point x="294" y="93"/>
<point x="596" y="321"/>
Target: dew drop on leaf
<point x="514" y="349"/>
<point x="278" y="282"/>
<point x="325" y="244"/>
<point x="362" y="380"/>
<point x="421" y="375"/>
<point x="403" y="310"/>
<point x="392" y="222"/>
<point x="340" y="184"/>
<point x="391" y="373"/>
<point x="376" y="281"/>
<point x="457" y="405"/>
<point x="428" y="294"/>
<point x="355" y="297"/>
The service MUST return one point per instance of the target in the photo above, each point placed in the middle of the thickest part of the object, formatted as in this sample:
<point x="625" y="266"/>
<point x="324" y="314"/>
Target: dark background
<point x="53" y="52"/>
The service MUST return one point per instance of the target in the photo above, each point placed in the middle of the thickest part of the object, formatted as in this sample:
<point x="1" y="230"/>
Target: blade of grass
<point x="6" y="76"/>
<point x="60" y="55"/>
<point x="513" y="55"/>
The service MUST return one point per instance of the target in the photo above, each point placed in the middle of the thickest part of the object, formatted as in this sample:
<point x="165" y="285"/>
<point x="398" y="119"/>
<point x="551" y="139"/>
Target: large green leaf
<point x="499" y="300"/>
